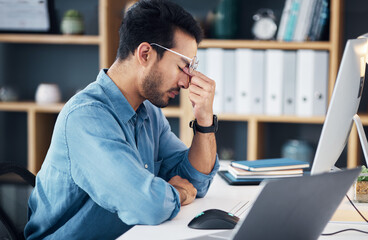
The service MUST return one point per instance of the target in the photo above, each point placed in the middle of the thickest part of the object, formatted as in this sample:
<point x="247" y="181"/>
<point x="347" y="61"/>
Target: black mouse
<point x="214" y="219"/>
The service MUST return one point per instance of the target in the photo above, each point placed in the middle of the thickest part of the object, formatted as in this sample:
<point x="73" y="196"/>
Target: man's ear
<point x="145" y="53"/>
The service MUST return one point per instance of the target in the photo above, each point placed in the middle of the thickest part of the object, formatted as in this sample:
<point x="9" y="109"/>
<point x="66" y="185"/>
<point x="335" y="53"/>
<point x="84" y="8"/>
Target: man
<point x="113" y="161"/>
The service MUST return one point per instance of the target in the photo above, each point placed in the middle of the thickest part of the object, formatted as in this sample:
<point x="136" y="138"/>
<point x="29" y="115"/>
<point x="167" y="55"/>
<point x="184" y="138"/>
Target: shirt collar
<point x="118" y="100"/>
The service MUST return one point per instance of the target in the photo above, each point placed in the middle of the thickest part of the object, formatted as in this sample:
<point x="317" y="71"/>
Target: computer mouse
<point x="214" y="219"/>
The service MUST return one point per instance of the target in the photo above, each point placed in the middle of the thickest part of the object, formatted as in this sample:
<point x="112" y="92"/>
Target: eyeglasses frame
<point x="193" y="64"/>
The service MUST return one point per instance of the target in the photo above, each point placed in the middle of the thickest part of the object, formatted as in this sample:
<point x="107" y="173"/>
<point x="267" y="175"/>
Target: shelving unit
<point x="255" y="137"/>
<point x="41" y="118"/>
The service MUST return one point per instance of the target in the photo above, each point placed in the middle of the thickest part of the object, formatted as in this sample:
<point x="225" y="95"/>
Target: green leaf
<point x="363" y="178"/>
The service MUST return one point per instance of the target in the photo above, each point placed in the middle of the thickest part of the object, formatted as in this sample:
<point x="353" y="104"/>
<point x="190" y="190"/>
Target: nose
<point x="184" y="81"/>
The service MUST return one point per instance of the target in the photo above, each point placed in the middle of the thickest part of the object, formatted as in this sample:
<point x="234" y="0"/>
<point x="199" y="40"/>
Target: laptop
<point x="293" y="208"/>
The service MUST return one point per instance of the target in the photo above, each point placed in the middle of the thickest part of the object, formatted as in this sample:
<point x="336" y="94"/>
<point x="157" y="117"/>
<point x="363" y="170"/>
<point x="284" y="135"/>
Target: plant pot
<point x="72" y="26"/>
<point x="361" y="191"/>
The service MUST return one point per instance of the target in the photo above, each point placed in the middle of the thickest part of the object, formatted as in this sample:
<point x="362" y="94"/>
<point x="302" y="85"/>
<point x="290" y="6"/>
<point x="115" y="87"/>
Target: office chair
<point x="16" y="184"/>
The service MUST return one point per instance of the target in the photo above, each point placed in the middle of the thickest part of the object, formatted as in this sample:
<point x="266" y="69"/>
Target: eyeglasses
<point x="193" y="64"/>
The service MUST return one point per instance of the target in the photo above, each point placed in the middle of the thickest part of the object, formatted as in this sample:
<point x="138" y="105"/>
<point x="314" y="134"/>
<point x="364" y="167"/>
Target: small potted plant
<point x="72" y="23"/>
<point x="361" y="186"/>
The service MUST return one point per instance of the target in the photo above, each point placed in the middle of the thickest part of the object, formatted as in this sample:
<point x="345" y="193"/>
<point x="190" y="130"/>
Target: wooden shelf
<point x="232" y="44"/>
<point x="265" y="118"/>
<point x="31" y="106"/>
<point x="363" y="118"/>
<point x="172" y="112"/>
<point x="56" y="108"/>
<point x="50" y="39"/>
<point x="15" y="106"/>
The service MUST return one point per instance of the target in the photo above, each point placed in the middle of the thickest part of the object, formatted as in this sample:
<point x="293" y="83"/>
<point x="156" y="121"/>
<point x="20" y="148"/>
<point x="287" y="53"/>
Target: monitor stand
<point x="362" y="137"/>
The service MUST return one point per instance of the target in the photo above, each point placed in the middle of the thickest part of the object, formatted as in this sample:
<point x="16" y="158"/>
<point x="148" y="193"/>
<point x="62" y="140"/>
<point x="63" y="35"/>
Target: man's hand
<point x="201" y="94"/>
<point x="186" y="190"/>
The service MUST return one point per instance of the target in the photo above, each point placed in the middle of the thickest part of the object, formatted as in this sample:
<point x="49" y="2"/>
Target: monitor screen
<point x="343" y="106"/>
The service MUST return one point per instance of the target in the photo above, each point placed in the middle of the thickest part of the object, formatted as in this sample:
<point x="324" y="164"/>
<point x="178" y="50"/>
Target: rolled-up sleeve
<point x="175" y="155"/>
<point x="108" y="169"/>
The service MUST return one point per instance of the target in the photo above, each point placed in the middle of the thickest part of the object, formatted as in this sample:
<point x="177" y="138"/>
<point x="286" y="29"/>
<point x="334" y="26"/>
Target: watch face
<point x="264" y="28"/>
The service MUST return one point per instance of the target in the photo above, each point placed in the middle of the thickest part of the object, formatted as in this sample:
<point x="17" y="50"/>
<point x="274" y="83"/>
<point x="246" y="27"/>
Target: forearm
<point x="202" y="153"/>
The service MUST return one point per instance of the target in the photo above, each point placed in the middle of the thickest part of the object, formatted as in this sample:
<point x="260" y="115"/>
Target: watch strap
<point x="210" y="129"/>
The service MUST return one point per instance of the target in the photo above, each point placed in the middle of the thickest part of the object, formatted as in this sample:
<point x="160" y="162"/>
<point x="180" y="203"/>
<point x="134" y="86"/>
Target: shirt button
<point x="146" y="166"/>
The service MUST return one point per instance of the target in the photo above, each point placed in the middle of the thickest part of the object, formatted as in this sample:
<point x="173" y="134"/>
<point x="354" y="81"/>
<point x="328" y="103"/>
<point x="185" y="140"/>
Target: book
<point x="231" y="180"/>
<point x="319" y="21"/>
<point x="264" y="176"/>
<point x="315" y="19"/>
<point x="291" y="21"/>
<point x="270" y="164"/>
<point x="304" y="20"/>
<point x="238" y="172"/>
<point x="284" y="18"/>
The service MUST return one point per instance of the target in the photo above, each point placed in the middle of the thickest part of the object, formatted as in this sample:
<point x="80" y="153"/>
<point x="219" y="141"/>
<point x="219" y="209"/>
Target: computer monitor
<point x="343" y="107"/>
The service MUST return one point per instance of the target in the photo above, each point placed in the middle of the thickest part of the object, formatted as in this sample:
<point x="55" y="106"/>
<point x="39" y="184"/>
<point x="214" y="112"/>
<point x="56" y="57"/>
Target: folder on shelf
<point x="258" y="82"/>
<point x="289" y="83"/>
<point x="229" y="81"/>
<point x="243" y="76"/>
<point x="249" y="84"/>
<point x="276" y="69"/>
<point x="201" y="55"/>
<point x="312" y="80"/>
<point x="214" y="68"/>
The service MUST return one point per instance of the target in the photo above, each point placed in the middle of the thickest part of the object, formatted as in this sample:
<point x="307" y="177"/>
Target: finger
<point x="194" y="89"/>
<point x="195" y="73"/>
<point x="194" y="98"/>
<point x="205" y="85"/>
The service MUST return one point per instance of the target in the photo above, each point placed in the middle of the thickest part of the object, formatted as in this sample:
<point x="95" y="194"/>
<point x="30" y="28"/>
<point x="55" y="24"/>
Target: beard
<point x="151" y="90"/>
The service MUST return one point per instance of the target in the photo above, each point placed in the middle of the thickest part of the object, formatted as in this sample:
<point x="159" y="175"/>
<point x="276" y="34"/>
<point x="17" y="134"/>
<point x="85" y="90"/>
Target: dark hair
<point x="154" y="21"/>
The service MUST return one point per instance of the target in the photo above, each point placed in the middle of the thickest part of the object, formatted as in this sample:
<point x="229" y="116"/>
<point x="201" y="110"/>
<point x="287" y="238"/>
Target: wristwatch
<point x="198" y="128"/>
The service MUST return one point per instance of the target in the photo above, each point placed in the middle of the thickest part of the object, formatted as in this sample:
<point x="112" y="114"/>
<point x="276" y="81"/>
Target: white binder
<point x="201" y="55"/>
<point x="214" y="68"/>
<point x="289" y="83"/>
<point x="229" y="81"/>
<point x="312" y="78"/>
<point x="274" y="81"/>
<point x="243" y="76"/>
<point x="258" y="82"/>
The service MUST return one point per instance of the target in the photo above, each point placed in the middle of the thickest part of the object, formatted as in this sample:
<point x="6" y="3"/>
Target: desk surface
<point x="226" y="197"/>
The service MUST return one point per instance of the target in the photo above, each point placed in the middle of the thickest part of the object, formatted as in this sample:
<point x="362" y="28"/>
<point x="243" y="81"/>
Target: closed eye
<point x="181" y="69"/>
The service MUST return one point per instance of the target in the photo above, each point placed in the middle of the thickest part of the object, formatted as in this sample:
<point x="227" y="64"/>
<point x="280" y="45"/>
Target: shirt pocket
<point x="157" y="165"/>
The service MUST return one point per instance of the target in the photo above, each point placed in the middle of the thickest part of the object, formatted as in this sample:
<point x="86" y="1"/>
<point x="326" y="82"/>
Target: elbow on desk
<point x="152" y="218"/>
<point x="202" y="191"/>
<point x="154" y="213"/>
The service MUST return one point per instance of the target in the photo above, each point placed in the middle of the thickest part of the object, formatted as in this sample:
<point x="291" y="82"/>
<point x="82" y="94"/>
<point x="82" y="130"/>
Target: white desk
<point x="225" y="197"/>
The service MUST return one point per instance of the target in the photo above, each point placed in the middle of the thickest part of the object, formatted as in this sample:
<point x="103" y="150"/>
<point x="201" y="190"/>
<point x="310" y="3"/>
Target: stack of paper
<point x="267" y="168"/>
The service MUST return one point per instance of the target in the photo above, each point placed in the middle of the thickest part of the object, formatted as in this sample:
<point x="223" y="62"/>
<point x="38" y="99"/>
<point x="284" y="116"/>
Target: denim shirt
<point x="107" y="168"/>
